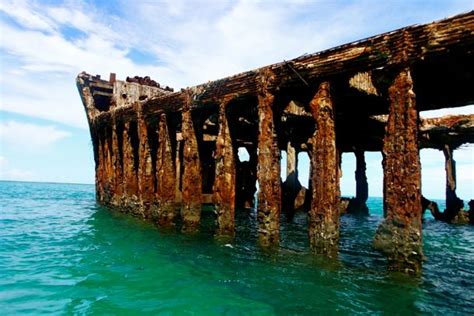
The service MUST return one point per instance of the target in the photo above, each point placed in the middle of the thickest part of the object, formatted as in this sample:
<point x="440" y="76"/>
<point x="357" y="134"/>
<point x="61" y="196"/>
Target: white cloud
<point x="8" y="172"/>
<point x="30" y="136"/>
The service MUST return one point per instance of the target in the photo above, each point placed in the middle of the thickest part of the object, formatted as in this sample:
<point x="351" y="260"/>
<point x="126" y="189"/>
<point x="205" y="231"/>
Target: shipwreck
<point x="161" y="154"/>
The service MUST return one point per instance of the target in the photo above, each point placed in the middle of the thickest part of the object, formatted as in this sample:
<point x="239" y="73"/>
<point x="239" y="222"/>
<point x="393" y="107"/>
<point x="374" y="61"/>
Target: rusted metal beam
<point x="192" y="179"/>
<point x="166" y="176"/>
<point x="225" y="178"/>
<point x="399" y="236"/>
<point x="323" y="217"/>
<point x="268" y="172"/>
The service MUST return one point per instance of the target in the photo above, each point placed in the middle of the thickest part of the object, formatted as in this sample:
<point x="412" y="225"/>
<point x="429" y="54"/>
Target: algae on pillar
<point x="268" y="172"/>
<point x="165" y="175"/>
<point x="192" y="180"/>
<point x="399" y="236"/>
<point x="323" y="216"/>
<point x="224" y="184"/>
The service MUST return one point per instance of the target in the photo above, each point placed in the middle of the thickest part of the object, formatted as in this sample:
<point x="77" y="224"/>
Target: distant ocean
<point x="62" y="254"/>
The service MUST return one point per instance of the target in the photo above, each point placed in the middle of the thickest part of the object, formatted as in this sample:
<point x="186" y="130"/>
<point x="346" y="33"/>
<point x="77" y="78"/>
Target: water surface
<point x="62" y="254"/>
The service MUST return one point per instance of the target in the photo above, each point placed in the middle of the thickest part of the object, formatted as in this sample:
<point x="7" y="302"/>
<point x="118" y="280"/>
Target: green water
<point x="61" y="254"/>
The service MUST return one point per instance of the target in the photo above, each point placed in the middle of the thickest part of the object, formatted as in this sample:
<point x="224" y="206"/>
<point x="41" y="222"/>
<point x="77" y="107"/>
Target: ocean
<point x="60" y="253"/>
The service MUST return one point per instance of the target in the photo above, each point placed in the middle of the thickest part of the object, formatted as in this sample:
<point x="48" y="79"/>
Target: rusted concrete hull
<point x="158" y="151"/>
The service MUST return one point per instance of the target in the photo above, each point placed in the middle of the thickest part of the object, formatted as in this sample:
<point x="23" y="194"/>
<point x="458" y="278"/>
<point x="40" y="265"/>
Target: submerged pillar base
<point x="324" y="238"/>
<point x="191" y="214"/>
<point x="401" y="244"/>
<point x="164" y="214"/>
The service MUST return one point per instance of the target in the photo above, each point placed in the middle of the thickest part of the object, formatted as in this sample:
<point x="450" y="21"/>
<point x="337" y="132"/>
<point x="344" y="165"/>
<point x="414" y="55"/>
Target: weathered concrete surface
<point x="399" y="236"/>
<point x="192" y="181"/>
<point x="225" y="179"/>
<point x="164" y="212"/>
<point x="268" y="172"/>
<point x="323" y="217"/>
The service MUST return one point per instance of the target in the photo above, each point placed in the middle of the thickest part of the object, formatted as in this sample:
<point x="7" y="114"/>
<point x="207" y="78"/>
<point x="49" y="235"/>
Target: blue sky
<point x="45" y="44"/>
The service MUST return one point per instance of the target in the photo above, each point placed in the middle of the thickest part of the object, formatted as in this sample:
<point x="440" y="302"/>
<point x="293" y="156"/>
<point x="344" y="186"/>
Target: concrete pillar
<point x="99" y="167"/>
<point x="399" y="236"/>
<point x="358" y="205"/>
<point x="225" y="180"/>
<point x="129" y="174"/>
<point x="108" y="167"/>
<point x="166" y="176"/>
<point x="145" y="167"/>
<point x="323" y="216"/>
<point x="117" y="166"/>
<point x="453" y="203"/>
<point x="268" y="172"/>
<point x="179" y="145"/>
<point x="192" y="181"/>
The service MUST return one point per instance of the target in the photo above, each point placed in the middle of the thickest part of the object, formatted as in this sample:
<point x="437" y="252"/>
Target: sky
<point x="45" y="44"/>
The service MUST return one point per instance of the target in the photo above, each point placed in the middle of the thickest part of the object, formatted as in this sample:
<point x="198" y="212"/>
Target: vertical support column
<point x="399" y="236"/>
<point x="453" y="203"/>
<point x="358" y="205"/>
<point x="99" y="169"/>
<point x="224" y="184"/>
<point x="192" y="181"/>
<point x="323" y="221"/>
<point x="117" y="166"/>
<point x="362" y="186"/>
<point x="179" y="145"/>
<point x="145" y="166"/>
<point x="130" y="177"/>
<point x="268" y="172"/>
<point x="166" y="176"/>
<point x="108" y="177"/>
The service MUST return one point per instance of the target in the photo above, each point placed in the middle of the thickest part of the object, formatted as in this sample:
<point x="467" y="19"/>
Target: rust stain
<point x="399" y="236"/>
<point x="192" y="179"/>
<point x="225" y="178"/>
<point x="268" y="172"/>
<point x="323" y="217"/>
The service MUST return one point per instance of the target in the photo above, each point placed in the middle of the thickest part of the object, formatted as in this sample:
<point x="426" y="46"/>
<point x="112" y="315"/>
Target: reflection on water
<point x="61" y="254"/>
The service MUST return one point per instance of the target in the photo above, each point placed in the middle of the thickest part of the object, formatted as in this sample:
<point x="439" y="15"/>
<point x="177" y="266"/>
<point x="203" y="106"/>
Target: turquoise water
<point x="61" y="254"/>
